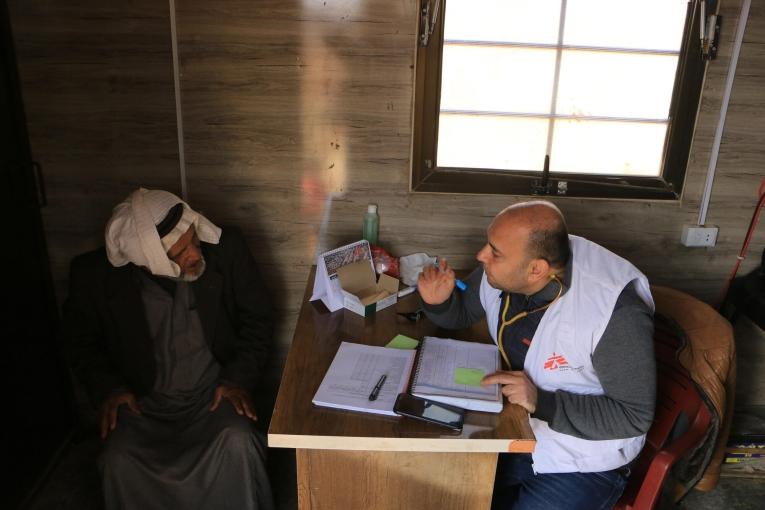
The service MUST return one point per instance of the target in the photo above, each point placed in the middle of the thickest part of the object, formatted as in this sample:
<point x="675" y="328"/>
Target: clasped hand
<point x="516" y="386"/>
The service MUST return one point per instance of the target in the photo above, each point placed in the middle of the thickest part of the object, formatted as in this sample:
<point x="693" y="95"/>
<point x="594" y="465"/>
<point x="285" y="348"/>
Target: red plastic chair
<point x="676" y="394"/>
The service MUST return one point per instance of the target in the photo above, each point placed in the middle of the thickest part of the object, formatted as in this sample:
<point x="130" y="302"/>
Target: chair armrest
<point x="666" y="458"/>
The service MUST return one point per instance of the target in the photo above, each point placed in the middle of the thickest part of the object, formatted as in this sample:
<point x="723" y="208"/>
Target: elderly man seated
<point x="169" y="328"/>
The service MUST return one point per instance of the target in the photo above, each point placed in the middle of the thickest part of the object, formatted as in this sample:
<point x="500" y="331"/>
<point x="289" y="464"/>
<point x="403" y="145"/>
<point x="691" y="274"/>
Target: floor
<point x="73" y="483"/>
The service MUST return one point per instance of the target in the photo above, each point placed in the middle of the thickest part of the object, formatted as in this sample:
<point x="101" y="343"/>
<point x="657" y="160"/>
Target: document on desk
<point x="355" y="372"/>
<point x="449" y="371"/>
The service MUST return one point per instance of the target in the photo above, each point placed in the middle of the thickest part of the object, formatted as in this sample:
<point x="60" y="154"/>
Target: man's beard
<point x="190" y="277"/>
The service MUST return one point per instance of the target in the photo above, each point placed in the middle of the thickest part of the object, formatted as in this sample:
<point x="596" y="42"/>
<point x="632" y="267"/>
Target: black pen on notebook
<point x="378" y="387"/>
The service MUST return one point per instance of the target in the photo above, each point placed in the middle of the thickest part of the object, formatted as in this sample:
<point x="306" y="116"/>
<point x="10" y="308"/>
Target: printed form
<point x="355" y="371"/>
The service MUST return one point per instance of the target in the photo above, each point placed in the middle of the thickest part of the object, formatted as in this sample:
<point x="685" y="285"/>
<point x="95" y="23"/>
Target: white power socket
<point x="696" y="236"/>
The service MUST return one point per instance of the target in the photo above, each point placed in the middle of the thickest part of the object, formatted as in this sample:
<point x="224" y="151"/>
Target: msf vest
<point x="560" y="355"/>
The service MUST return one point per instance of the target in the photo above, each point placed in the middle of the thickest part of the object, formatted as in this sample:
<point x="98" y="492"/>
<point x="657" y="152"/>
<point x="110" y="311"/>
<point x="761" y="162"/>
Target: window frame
<point x="684" y="105"/>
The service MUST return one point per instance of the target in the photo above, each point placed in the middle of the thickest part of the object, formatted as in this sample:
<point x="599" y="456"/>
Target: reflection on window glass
<point x="530" y="21"/>
<point x="643" y="24"/>
<point x="508" y="143"/>
<point x="616" y="84"/>
<point x="626" y="148"/>
<point x="497" y="79"/>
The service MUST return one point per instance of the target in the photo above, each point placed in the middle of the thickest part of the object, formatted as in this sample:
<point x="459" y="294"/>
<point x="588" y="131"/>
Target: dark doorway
<point x="38" y="415"/>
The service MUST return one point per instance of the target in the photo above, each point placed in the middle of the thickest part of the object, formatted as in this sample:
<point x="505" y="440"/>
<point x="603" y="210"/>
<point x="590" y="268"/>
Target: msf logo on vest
<point x="557" y="362"/>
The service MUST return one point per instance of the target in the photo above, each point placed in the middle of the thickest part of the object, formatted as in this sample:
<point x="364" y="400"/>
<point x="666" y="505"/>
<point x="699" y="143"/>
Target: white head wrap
<point x="131" y="233"/>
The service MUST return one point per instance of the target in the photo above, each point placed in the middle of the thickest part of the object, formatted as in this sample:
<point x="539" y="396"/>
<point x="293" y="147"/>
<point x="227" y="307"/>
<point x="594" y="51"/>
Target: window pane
<point x="497" y="79"/>
<point x="616" y="84"/>
<point x="646" y="24"/>
<point x="529" y="21"/>
<point x="626" y="148"/>
<point x="509" y="143"/>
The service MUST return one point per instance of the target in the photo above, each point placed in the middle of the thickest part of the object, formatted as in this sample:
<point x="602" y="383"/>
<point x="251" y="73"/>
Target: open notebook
<point x="441" y="359"/>
<point x="354" y="373"/>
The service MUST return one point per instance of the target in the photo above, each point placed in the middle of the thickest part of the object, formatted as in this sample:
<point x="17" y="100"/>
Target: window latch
<point x="428" y="22"/>
<point x="543" y="187"/>
<point x="710" y="33"/>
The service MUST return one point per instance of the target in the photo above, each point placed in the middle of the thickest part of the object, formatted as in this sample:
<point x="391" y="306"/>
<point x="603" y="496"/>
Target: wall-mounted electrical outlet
<point x="696" y="236"/>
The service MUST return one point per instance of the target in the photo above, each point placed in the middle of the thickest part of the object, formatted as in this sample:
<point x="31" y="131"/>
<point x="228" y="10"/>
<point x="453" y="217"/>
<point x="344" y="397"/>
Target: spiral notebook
<point x="443" y="360"/>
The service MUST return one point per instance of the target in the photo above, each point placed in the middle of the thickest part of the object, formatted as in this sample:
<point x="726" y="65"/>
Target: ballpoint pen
<point x="406" y="291"/>
<point x="378" y="387"/>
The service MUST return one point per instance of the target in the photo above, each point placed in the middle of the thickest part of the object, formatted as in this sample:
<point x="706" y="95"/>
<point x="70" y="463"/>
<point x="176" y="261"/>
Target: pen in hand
<point x="378" y="387"/>
<point x="462" y="286"/>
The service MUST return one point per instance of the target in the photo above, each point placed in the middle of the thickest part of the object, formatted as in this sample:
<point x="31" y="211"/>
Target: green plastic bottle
<point x="371" y="224"/>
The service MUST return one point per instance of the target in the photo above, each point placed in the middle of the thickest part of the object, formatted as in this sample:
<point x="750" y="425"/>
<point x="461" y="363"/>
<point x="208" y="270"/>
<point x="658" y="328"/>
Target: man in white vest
<point x="574" y="324"/>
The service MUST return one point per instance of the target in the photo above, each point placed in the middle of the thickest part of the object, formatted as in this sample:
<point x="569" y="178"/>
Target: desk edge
<point x="401" y="444"/>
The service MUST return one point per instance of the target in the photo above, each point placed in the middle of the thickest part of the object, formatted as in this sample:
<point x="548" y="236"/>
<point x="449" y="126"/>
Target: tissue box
<point x="362" y="293"/>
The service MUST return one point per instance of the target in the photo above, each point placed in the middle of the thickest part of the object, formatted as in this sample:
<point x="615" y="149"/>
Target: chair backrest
<point x="680" y="422"/>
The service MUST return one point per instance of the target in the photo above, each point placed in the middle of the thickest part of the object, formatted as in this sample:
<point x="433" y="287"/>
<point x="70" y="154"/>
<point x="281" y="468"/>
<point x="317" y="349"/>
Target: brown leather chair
<point x="681" y="423"/>
<point x="695" y="359"/>
<point x="710" y="357"/>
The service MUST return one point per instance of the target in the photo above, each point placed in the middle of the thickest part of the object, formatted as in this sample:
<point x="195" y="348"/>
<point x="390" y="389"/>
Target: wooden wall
<point x="97" y="82"/>
<point x="298" y="113"/>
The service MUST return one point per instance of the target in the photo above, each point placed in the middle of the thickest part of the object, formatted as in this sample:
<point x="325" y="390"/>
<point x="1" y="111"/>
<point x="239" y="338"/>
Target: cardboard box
<point x="326" y="284"/>
<point x="362" y="293"/>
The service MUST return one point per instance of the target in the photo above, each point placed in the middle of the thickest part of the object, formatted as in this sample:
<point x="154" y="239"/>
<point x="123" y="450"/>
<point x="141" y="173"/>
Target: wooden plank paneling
<point x="328" y="480"/>
<point x="288" y="106"/>
<point x="98" y="92"/>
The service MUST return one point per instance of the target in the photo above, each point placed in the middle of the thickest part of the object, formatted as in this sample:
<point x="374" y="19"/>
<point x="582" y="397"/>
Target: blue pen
<point x="457" y="282"/>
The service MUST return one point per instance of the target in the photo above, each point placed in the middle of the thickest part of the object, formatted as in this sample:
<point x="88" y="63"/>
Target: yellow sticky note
<point x="468" y="376"/>
<point x="403" y="342"/>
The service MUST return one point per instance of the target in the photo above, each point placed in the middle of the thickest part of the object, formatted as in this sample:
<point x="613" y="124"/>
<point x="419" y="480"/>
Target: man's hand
<point x="110" y="407"/>
<point x="436" y="284"/>
<point x="516" y="386"/>
<point x="239" y="398"/>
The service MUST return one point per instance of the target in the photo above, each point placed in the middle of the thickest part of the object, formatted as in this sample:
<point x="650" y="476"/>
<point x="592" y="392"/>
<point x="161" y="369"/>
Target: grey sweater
<point x="623" y="361"/>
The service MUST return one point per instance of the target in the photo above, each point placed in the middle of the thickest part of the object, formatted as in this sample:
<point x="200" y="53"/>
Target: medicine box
<point x="362" y="293"/>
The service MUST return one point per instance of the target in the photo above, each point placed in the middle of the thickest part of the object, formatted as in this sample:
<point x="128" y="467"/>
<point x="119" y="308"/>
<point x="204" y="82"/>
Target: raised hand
<point x="436" y="284"/>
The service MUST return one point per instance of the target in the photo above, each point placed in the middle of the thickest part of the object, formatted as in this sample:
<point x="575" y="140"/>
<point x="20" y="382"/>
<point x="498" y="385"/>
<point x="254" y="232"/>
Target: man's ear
<point x="538" y="269"/>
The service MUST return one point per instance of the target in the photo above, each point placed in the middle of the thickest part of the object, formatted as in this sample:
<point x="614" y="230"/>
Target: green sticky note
<point x="403" y="342"/>
<point x="468" y="376"/>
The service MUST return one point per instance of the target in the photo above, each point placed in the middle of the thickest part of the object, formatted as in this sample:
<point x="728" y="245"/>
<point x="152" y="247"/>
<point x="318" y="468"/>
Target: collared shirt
<point x="517" y="337"/>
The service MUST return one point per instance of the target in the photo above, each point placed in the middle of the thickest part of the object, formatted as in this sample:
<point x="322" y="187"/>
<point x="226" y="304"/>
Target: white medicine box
<point x="362" y="293"/>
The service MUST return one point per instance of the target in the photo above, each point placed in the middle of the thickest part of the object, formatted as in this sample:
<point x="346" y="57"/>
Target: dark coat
<point x="108" y="337"/>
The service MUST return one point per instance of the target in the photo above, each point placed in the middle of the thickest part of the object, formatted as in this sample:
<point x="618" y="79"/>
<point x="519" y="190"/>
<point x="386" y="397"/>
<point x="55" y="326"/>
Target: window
<point x="602" y="93"/>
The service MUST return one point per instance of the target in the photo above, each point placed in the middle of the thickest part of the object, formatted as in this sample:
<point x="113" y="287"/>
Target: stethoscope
<point x="520" y="316"/>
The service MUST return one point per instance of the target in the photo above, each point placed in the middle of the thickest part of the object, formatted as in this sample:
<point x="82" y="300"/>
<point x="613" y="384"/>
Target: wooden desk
<point x="354" y="460"/>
